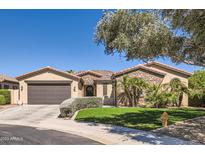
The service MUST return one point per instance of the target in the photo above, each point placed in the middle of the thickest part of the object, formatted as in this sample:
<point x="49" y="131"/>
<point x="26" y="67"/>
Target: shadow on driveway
<point x="22" y="135"/>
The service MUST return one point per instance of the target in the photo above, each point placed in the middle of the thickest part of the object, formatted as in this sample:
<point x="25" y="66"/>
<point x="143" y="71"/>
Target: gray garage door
<point x="48" y="93"/>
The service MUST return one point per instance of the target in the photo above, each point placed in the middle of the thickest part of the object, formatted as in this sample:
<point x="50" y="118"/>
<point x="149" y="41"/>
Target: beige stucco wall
<point x="109" y="90"/>
<point x="80" y="90"/>
<point x="171" y="75"/>
<point x="23" y="87"/>
<point x="99" y="90"/>
<point x="109" y="98"/>
<point x="74" y="89"/>
<point x="14" y="96"/>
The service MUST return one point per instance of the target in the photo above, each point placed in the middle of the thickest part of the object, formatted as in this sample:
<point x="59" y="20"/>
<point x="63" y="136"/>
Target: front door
<point x="89" y="91"/>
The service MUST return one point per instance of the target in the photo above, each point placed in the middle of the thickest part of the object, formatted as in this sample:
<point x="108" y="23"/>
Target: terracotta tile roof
<point x="82" y="73"/>
<point x="168" y="67"/>
<point x="7" y="78"/>
<point x="48" y="68"/>
<point x="90" y="76"/>
<point x="124" y="71"/>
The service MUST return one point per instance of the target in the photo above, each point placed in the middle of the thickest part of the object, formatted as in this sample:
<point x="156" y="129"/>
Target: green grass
<point x="137" y="118"/>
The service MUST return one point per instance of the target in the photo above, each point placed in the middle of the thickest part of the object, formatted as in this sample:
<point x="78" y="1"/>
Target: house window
<point x="6" y="86"/>
<point x="0" y="86"/>
<point x="15" y="87"/>
<point x="104" y="89"/>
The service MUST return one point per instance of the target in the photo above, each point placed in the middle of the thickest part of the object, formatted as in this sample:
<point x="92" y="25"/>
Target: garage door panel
<point x="48" y="94"/>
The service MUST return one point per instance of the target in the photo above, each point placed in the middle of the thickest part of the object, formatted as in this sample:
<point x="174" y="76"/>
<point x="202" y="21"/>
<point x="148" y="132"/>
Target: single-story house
<point x="7" y="82"/>
<point x="52" y="86"/>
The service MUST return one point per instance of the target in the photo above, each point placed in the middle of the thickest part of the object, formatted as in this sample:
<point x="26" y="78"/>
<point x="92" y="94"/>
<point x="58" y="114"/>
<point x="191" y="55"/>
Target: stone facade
<point x="150" y="77"/>
<point x="147" y="76"/>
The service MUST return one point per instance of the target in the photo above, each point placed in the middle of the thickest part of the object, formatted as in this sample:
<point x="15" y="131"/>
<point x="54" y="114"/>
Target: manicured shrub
<point x="197" y="101"/>
<point x="2" y="100"/>
<point x="70" y="106"/>
<point x="7" y="94"/>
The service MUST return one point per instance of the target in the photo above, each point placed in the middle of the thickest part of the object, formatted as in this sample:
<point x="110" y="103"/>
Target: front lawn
<point x="138" y="118"/>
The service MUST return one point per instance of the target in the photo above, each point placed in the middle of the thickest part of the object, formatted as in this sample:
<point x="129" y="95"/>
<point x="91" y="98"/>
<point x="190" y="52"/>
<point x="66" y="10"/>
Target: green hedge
<point x="2" y="100"/>
<point x="7" y="94"/>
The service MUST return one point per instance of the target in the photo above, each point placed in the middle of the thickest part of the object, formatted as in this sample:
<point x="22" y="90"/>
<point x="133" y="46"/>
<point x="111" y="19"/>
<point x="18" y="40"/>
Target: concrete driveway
<point x="31" y="116"/>
<point x="30" y="113"/>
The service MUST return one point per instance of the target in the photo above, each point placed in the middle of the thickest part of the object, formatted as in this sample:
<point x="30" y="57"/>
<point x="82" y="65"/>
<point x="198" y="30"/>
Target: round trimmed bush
<point x="2" y="100"/>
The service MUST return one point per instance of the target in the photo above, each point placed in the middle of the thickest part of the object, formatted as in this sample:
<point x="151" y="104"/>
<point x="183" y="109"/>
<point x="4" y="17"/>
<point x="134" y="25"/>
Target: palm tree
<point x="138" y="85"/>
<point x="158" y="96"/>
<point x="70" y="71"/>
<point x="132" y="90"/>
<point x="126" y="95"/>
<point x="177" y="87"/>
<point x="152" y="94"/>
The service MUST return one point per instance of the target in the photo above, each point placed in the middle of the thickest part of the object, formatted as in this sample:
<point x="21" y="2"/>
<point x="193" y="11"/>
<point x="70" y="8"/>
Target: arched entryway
<point x="89" y="91"/>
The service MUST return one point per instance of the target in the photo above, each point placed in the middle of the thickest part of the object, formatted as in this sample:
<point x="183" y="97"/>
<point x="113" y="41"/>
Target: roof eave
<point x="136" y="68"/>
<point x="33" y="73"/>
<point x="189" y="74"/>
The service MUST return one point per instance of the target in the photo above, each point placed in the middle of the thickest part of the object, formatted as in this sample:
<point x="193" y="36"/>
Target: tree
<point x="126" y="94"/>
<point x="197" y="84"/>
<point x="177" y="87"/>
<point x="150" y="34"/>
<point x="138" y="85"/>
<point x="132" y="90"/>
<point x="159" y="97"/>
<point x="71" y="71"/>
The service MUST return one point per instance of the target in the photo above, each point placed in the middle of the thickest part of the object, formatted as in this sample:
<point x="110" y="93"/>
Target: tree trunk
<point x="180" y="100"/>
<point x="138" y="97"/>
<point x="129" y="97"/>
<point x="134" y="95"/>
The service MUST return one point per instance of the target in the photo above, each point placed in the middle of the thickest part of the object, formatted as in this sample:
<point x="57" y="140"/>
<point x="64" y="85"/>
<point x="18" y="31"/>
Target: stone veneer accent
<point x="147" y="76"/>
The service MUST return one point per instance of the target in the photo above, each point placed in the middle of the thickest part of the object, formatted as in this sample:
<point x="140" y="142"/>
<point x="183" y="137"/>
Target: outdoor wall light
<point x="21" y="88"/>
<point x="74" y="89"/>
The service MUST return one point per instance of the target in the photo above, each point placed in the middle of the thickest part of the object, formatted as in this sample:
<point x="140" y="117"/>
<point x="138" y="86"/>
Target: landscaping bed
<point x="137" y="118"/>
<point x="4" y="107"/>
<point x="193" y="129"/>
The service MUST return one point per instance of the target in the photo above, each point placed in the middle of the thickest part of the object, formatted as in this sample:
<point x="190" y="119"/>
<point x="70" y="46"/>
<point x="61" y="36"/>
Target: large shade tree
<point x="150" y="34"/>
<point x="197" y="84"/>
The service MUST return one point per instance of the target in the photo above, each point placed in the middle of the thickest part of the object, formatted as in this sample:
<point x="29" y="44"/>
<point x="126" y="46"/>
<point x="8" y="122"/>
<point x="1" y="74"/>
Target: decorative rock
<point x="164" y="119"/>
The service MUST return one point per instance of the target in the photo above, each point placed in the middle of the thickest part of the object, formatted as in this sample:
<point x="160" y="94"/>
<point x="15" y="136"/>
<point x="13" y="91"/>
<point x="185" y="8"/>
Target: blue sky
<point x="31" y="39"/>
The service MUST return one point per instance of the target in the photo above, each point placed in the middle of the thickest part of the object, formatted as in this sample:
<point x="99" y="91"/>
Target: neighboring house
<point x="51" y="86"/>
<point x="7" y="82"/>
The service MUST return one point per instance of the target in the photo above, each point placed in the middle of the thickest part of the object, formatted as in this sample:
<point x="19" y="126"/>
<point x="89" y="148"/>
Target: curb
<point x="74" y="116"/>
